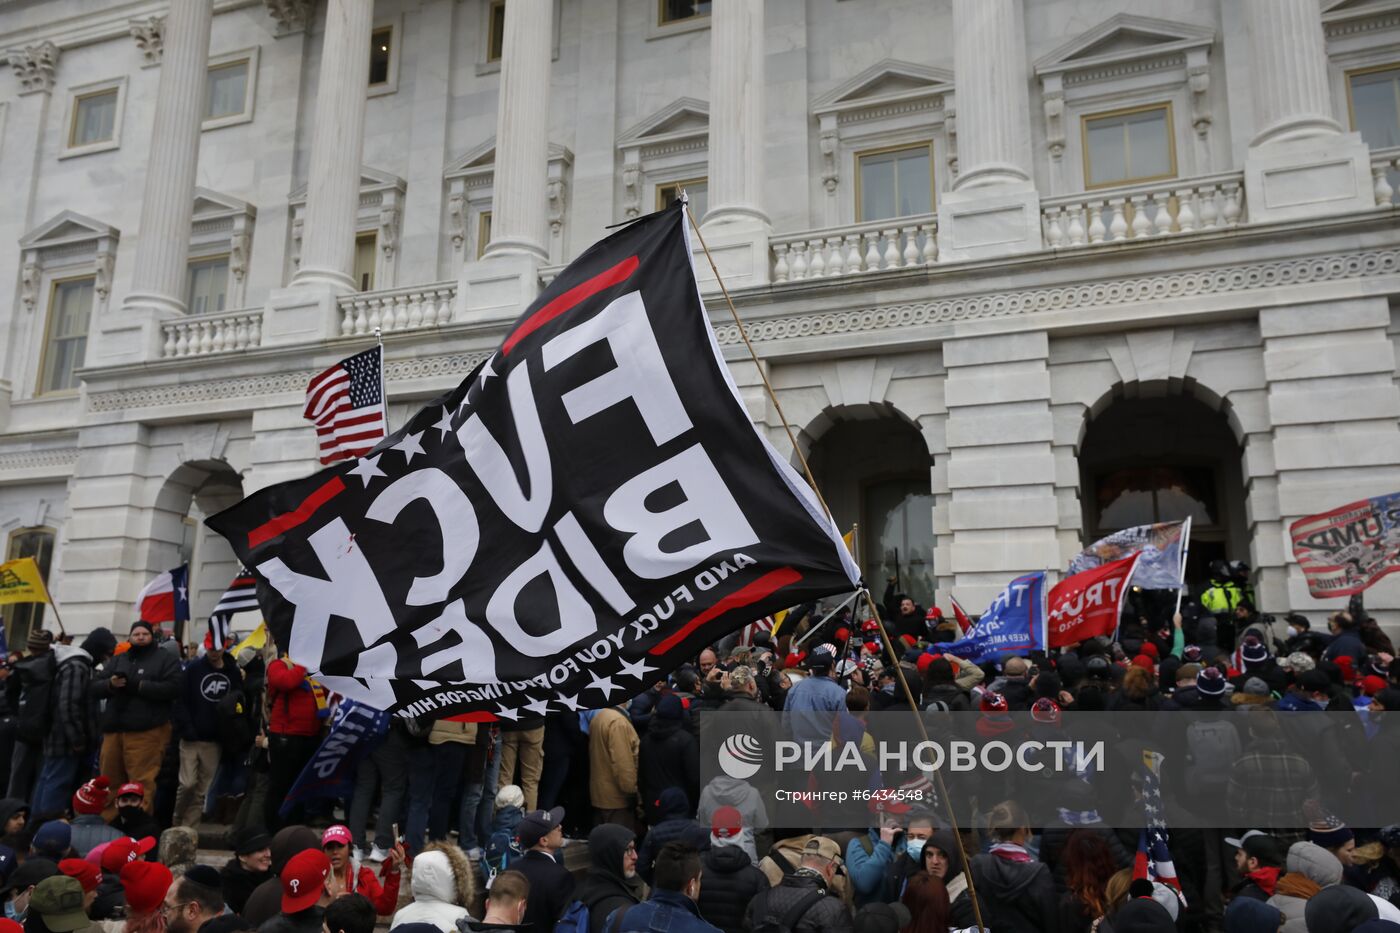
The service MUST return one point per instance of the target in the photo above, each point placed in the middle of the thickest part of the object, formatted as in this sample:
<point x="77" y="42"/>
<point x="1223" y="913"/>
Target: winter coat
<point x="148" y="699"/>
<point x="669" y="756"/>
<point x="612" y="758"/>
<point x="111" y="898"/>
<point x="605" y="888"/>
<point x="667" y="910"/>
<point x="1346" y="643"/>
<point x="674" y="825"/>
<point x="811" y="708"/>
<point x="362" y="880"/>
<point x="440" y="889"/>
<point x="730" y="882"/>
<point x="90" y="831"/>
<point x="1318" y="866"/>
<point x="239" y="882"/>
<point x="443" y="731"/>
<point x="72" y="726"/>
<point x="1266" y="784"/>
<point x="1056" y="835"/>
<point x="824" y="916"/>
<point x="551" y="888"/>
<point x="953" y="696"/>
<point x="303" y="921"/>
<point x="136" y="822"/>
<point x="197" y="716"/>
<point x="292" y="706"/>
<point x="266" y="899"/>
<point x="725" y="791"/>
<point x="1016" y="897"/>
<point x="867" y="860"/>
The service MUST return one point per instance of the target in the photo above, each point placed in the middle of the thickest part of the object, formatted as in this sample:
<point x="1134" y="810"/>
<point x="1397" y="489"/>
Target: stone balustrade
<point x="201" y="335"/>
<point x="1166" y="208"/>
<point x="850" y="250"/>
<point x="397" y="309"/>
<point x="1385" y="174"/>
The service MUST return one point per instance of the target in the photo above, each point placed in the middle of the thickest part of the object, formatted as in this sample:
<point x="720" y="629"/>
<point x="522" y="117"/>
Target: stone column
<point x="159" y="272"/>
<point x="337" y="143"/>
<point x="989" y="62"/>
<point x="737" y="87"/>
<point x="519" y="206"/>
<point x="1292" y="97"/>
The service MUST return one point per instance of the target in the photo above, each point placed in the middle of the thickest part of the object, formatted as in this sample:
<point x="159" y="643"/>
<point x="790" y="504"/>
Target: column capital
<point x="149" y="34"/>
<point x="292" y="16"/>
<point x="34" y="66"/>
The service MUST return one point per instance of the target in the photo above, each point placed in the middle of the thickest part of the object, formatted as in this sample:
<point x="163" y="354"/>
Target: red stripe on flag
<point x="618" y="273"/>
<point x="289" y="520"/>
<point x="478" y="716"/>
<point x="159" y="607"/>
<point x="762" y="588"/>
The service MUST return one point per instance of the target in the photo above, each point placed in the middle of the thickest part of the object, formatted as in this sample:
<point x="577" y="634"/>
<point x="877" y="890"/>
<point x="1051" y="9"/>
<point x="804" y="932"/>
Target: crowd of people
<point x="117" y="753"/>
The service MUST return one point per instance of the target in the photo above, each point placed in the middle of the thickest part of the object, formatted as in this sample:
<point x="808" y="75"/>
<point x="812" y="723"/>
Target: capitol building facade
<point x="1022" y="272"/>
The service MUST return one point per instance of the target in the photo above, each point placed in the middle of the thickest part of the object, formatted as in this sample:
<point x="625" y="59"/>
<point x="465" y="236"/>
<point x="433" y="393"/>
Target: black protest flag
<point x="587" y="509"/>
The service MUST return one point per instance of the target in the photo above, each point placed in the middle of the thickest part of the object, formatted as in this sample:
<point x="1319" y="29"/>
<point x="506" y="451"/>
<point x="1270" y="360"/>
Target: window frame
<point x="662" y="22"/>
<point x="1350" y="73"/>
<point x="493" y="56"/>
<point x="658" y="27"/>
<point x="1174" y="166"/>
<point x="83" y="92"/>
<point x="373" y="237"/>
<point x="250" y="88"/>
<point x="193" y="260"/>
<point x="7" y="613"/>
<point x="678" y="184"/>
<point x="390" y="84"/>
<point x="55" y="284"/>
<point x="483" y="231"/>
<point x="885" y="150"/>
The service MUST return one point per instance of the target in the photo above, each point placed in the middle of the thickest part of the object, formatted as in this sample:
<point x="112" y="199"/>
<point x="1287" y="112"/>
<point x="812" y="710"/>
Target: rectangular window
<point x="483" y="233"/>
<point x="23" y="618"/>
<point x="674" y="11"/>
<point x="1129" y="146"/>
<point x="365" y="245"/>
<point x="1373" y="97"/>
<point x="226" y="90"/>
<point x="65" y="341"/>
<point x="496" y="30"/>
<point x="697" y="189"/>
<point x="94" y="119"/>
<point x="380" y="44"/>
<point x="894" y="182"/>
<point x="208" y="285"/>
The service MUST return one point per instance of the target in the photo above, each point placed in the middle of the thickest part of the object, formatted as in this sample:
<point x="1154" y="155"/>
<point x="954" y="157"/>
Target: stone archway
<point x="194" y="491"/>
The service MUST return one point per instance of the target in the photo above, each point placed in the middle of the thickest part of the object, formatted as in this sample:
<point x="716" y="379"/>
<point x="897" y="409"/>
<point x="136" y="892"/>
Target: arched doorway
<point x="192" y="493"/>
<point x="1164" y="459"/>
<point x="874" y="473"/>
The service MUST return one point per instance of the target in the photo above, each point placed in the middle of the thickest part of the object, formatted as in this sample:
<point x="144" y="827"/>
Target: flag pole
<point x="56" y="617"/>
<point x="869" y="600"/>
<point x="383" y="382"/>
<point x="1185" y="551"/>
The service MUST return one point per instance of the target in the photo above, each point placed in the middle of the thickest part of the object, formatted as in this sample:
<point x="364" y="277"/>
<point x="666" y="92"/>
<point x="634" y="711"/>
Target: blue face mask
<point x="914" y="848"/>
<point x="11" y="913"/>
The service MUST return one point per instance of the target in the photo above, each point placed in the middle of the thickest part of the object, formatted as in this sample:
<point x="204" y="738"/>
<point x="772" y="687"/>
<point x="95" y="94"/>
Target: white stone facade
<point x="1260" y="277"/>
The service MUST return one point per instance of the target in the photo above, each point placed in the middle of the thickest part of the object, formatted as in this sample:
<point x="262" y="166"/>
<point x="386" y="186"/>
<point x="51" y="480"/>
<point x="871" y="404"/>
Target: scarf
<point x="1080" y="817"/>
<point x="1011" y="852"/>
<point x="1266" y="878"/>
<point x="1296" y="884"/>
<point x="957" y="886"/>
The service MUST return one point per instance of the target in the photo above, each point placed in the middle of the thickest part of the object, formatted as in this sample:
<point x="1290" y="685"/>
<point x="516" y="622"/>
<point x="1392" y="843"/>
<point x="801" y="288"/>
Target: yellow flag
<point x="256" y="640"/>
<point x="21" y="582"/>
<point x="850" y="539"/>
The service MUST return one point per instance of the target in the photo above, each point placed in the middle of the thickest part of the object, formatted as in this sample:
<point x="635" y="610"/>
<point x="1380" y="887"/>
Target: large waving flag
<point x="588" y="508"/>
<point x="1344" y="551"/>
<point x="1013" y="624"/>
<point x="241" y="596"/>
<point x="1154" y="858"/>
<point x="166" y="599"/>
<point x="346" y="404"/>
<point x="21" y="581"/>
<point x="1163" y="550"/>
<point x="1087" y="604"/>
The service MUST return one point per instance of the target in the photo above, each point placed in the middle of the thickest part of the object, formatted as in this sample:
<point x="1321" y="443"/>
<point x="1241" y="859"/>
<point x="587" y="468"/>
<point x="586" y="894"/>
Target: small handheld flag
<point x="346" y="404"/>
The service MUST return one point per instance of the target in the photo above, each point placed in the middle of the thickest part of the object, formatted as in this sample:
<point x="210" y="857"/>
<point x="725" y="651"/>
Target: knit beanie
<point x="91" y="798"/>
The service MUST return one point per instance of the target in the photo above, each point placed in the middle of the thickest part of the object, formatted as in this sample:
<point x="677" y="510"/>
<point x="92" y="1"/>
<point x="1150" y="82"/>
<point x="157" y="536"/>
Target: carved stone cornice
<point x="58" y="458"/>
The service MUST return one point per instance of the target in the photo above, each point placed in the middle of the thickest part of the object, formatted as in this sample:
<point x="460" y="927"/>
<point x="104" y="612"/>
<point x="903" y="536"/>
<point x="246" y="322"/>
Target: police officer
<point x="1221" y="599"/>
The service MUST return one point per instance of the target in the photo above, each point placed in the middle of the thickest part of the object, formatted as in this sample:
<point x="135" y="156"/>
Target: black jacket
<point x="730" y="883"/>
<point x="303" y="921"/>
<point x="152" y="687"/>
<point x="1016" y="897"/>
<point x="605" y="888"/>
<point x="669" y="756"/>
<point x="825" y="915"/>
<point x="675" y="828"/>
<point x="551" y="889"/>
<point x="239" y="882"/>
<point x="197" y="715"/>
<point x="135" y="821"/>
<point x="111" y="898"/>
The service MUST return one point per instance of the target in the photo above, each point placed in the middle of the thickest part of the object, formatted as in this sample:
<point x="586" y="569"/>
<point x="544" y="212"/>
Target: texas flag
<point x="166" y="600"/>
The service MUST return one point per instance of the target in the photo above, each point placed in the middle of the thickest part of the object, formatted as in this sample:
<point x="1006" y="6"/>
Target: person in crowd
<point x="506" y="904"/>
<point x="523" y="744"/>
<point x="200" y="724"/>
<point x="140" y="687"/>
<point x="673" y="824"/>
<point x="385" y="774"/>
<point x="177" y="848"/>
<point x="250" y="866"/>
<point x="669" y="756"/>
<point x="287" y="843"/>
<point x="1016" y="893"/>
<point x="723" y="792"/>
<point x="133" y="818"/>
<point x="443" y="887"/>
<point x="927" y="901"/>
<point x="803" y="901"/>
<point x="1270" y="779"/>
<point x="56" y="906"/>
<point x="672" y="905"/>
<point x="1310" y="868"/>
<point x="89" y="877"/>
<point x="731" y="877"/>
<point x="501" y="846"/>
<point x="53" y="840"/>
<point x="612" y="881"/>
<point x="1259" y="861"/>
<point x="116" y="855"/>
<point x="435" y="773"/>
<point x="144" y="885"/>
<point x="296" y="710"/>
<point x="1087" y="863"/>
<point x="20" y="887"/>
<point x="908" y="859"/>
<point x="613" y="750"/>
<point x="89" y="830"/>
<point x="1346" y="640"/>
<point x="192" y="900"/>
<point x="14" y="815"/>
<point x="30" y="689"/>
<point x="70" y="735"/>
<point x="811" y="705"/>
<point x="541" y="835"/>
<point x="904" y="617"/>
<point x="348" y="876"/>
<point x="868" y="858"/>
<point x="351" y="913"/>
<point x="304" y="895"/>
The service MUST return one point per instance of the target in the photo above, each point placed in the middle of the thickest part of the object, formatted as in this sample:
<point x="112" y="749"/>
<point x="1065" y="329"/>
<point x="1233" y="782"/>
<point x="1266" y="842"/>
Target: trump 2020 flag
<point x="355" y="731"/>
<point x="1014" y="623"/>
<point x="589" y="507"/>
<point x="1344" y="551"/>
<point x="166" y="599"/>
<point x="1162" y="547"/>
<point x="1087" y="604"/>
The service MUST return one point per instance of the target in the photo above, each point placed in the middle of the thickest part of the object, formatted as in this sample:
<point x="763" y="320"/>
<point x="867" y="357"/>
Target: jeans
<point x="57" y="777"/>
<point x="435" y="771"/>
<point x="24" y="766"/>
<point x="385" y="770"/>
<point x="479" y="794"/>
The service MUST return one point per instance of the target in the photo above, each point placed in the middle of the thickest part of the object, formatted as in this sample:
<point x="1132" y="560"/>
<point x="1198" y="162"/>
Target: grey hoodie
<point x="1314" y="862"/>
<point x="725" y="791"/>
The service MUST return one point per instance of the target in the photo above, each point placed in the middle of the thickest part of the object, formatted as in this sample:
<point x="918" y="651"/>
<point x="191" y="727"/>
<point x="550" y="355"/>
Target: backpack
<point x="575" y="919"/>
<point x="501" y="850"/>
<point x="34" y="715"/>
<point x="766" y="922"/>
<point x="1212" y="747"/>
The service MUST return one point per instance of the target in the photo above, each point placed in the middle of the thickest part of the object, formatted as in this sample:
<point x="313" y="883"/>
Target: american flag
<point x="346" y="403"/>
<point x="241" y="595"/>
<point x="751" y="631"/>
<point x="1154" y="860"/>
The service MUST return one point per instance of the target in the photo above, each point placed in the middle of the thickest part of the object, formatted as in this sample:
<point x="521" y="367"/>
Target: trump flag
<point x="1087" y="604"/>
<point x="1344" y="551"/>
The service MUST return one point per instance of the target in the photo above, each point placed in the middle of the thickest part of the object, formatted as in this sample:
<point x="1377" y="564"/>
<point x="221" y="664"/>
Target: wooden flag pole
<point x="870" y="600"/>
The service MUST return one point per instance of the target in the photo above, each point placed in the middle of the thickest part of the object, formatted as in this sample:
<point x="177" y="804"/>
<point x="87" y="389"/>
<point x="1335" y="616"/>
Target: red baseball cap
<point x="124" y="850"/>
<point x="133" y="787"/>
<point x="727" y="822"/>
<point x="88" y="874"/>
<point x="303" y="880"/>
<point x="337" y="834"/>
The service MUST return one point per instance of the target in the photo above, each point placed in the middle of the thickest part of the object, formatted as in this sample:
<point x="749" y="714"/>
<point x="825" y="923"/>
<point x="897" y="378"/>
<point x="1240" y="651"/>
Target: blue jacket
<point x="867" y="871"/>
<point x="811" y="707"/>
<point x="669" y="911"/>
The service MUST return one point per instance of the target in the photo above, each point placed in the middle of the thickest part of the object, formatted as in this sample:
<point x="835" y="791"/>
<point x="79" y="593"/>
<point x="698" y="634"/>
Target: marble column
<point x="159" y="271"/>
<point x="737" y="87"/>
<point x="337" y="144"/>
<point x="1292" y="97"/>
<point x="519" y="204"/>
<point x="989" y="61"/>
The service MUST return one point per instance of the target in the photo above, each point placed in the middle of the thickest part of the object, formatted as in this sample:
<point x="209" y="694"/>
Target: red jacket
<point x="385" y="898"/>
<point x="291" y="703"/>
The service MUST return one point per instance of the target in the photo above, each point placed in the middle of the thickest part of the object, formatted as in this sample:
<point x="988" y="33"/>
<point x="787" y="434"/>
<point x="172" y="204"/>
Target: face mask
<point x="11" y="913"/>
<point x="1293" y="631"/>
<point x="914" y="848"/>
<point x="887" y="689"/>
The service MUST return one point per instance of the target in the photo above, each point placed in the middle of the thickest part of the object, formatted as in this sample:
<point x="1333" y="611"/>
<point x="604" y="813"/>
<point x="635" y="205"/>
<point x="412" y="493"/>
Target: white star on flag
<point x="570" y="701"/>
<point x="367" y="468"/>
<point x="539" y="707"/>
<point x="409" y="446"/>
<point x="603" y="685"/>
<point x="486" y="372"/>
<point x="444" y="423"/>
<point x="637" y="668"/>
<point x="504" y="713"/>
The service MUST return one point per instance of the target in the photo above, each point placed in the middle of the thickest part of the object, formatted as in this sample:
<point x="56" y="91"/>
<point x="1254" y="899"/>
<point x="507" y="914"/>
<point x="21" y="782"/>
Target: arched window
<point x="22" y="618"/>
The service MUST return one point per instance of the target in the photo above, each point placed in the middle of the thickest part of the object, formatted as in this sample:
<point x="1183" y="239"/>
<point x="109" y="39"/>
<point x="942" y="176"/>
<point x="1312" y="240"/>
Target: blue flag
<point x="355" y="730"/>
<point x="1013" y="624"/>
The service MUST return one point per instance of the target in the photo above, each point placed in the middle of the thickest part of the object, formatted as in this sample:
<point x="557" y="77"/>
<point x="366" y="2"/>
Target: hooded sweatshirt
<point x="725" y="791"/>
<point x="1016" y="892"/>
<point x="9" y="806"/>
<point x="1310" y="868"/>
<point x="606" y="888"/>
<point x="435" y="894"/>
<point x="266" y="900"/>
